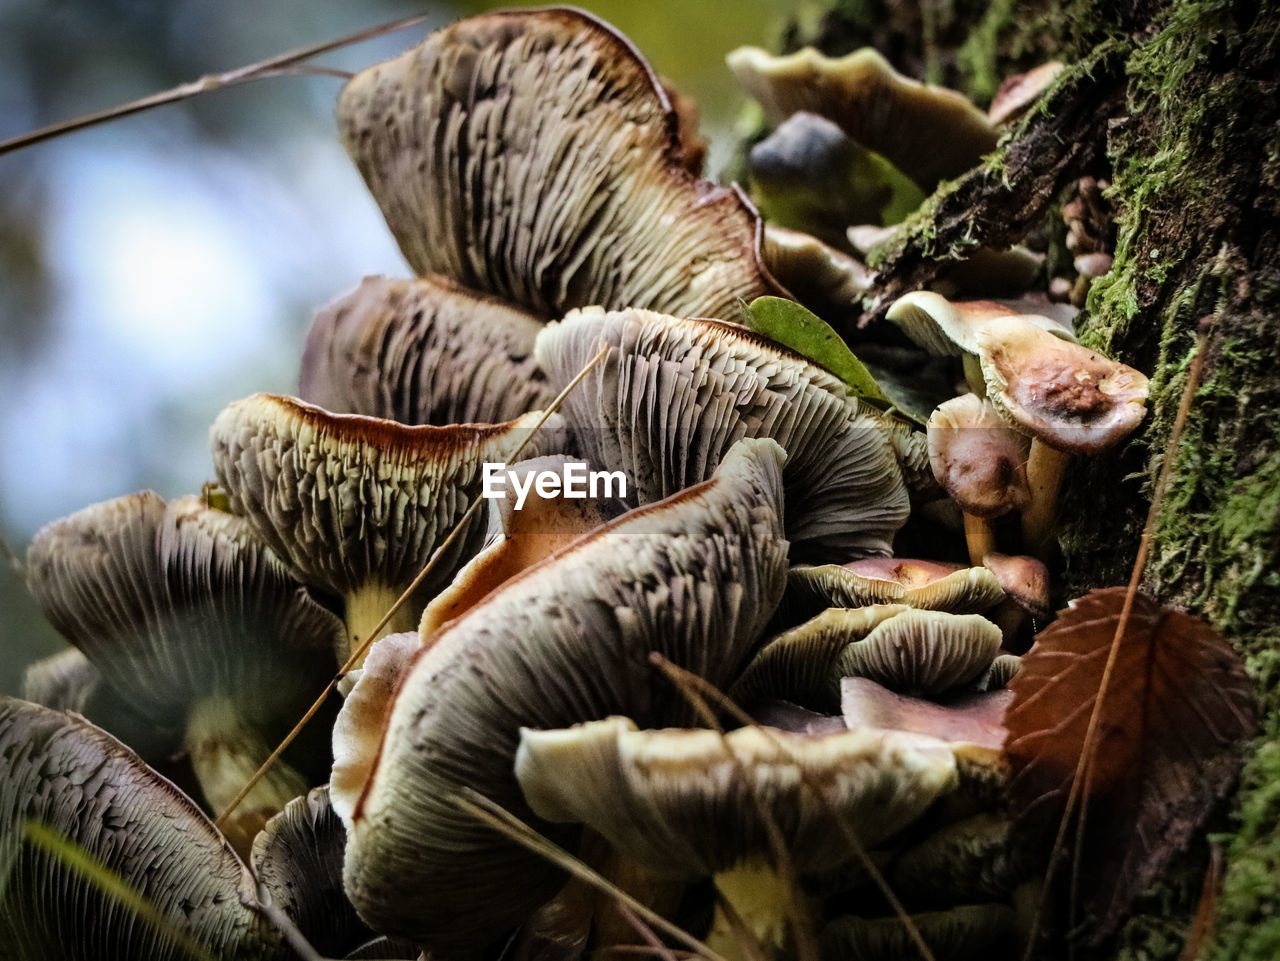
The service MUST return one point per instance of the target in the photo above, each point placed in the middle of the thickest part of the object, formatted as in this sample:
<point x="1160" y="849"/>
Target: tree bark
<point x="1177" y="102"/>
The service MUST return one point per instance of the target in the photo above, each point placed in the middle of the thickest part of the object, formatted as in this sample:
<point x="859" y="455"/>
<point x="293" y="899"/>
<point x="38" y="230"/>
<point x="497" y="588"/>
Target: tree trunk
<point x="1177" y="103"/>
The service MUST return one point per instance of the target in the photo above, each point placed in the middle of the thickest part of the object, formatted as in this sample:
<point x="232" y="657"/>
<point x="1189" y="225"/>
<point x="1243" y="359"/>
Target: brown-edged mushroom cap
<point x="694" y="577"/>
<point x="693" y="803"/>
<point x="978" y="458"/>
<point x="423" y="352"/>
<point x="1019" y="91"/>
<point x="66" y="778"/>
<point x="928" y="585"/>
<point x="950" y="327"/>
<point x="533" y="155"/>
<point x="356" y="505"/>
<point x="1060" y="393"/>
<point x="1025" y="581"/>
<point x="297" y="859"/>
<point x="200" y="627"/>
<point x="818" y="275"/>
<point x="928" y="132"/>
<point x="674" y="394"/>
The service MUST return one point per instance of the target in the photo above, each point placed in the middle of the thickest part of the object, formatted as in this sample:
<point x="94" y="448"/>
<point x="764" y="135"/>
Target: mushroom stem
<point x="225" y="752"/>
<point x="766" y="905"/>
<point x="1045" y="465"/>
<point x="979" y="536"/>
<point x="366" y="606"/>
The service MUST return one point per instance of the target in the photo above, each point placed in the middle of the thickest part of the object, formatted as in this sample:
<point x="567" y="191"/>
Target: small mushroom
<point x="1018" y="92"/>
<point x="356" y="505"/>
<point x="928" y="132"/>
<point x="830" y="281"/>
<point x="920" y="653"/>
<point x="1069" y="399"/>
<point x="928" y="585"/>
<point x="67" y="777"/>
<point x="696" y="803"/>
<point x="674" y="394"/>
<point x="694" y="577"/>
<point x="201" y="628"/>
<point x="532" y="154"/>
<point x="964" y="933"/>
<point x="423" y="352"/>
<point x="981" y="462"/>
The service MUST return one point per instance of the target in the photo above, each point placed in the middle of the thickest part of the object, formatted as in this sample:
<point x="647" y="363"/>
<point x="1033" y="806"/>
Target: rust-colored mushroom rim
<point x="675" y="393"/>
<point x="592" y="204"/>
<point x="356" y="505"/>
<point x="694" y="577"/>
<point x="423" y="351"/>
<point x="696" y="803"/>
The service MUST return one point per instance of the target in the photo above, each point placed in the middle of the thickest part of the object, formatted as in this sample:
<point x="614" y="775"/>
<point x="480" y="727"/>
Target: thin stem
<point x="357" y="656"/>
<point x="276" y="66"/>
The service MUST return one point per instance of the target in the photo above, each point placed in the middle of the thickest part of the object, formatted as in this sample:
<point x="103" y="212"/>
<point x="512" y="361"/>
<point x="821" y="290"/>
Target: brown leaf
<point x="1177" y="705"/>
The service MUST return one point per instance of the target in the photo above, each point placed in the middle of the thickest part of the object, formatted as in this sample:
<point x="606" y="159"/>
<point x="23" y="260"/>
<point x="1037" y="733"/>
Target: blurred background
<point x="154" y="269"/>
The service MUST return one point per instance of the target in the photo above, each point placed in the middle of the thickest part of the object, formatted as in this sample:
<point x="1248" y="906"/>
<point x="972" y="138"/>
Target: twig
<point x="1083" y="773"/>
<point x="510" y="826"/>
<point x="276" y="66"/>
<point x="439" y="552"/>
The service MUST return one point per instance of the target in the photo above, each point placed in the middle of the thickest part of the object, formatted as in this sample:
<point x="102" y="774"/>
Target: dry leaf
<point x="1177" y="706"/>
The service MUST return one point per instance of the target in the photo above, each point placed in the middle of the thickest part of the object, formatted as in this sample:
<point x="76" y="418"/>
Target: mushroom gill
<point x="532" y="154"/>
<point x="694" y="577"/>
<point x="674" y="395"/>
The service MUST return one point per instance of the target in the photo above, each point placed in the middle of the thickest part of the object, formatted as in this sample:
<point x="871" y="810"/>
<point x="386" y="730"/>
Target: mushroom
<point x="693" y="577"/>
<point x="674" y="394"/>
<point x="423" y="352"/>
<point x="921" y="653"/>
<point x="70" y="780"/>
<point x="1069" y="399"/>
<point x="808" y="175"/>
<point x="532" y="154"/>
<point x="929" y="585"/>
<point x="516" y="538"/>
<point x="188" y="617"/>
<point x="356" y="505"/>
<point x="928" y="132"/>
<point x="1018" y="92"/>
<point x="697" y="803"/>
<point x="1025" y="581"/>
<point x="297" y="859"/>
<point x="819" y="275"/>
<point x="961" y="933"/>
<point x="981" y="462"/>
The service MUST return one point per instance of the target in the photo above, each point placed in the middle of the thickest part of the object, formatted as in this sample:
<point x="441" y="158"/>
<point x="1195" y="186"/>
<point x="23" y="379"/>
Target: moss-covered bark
<point x="1178" y="102"/>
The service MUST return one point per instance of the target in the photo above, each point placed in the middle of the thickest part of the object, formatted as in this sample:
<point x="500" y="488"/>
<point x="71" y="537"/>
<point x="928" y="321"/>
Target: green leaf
<point x="793" y="326"/>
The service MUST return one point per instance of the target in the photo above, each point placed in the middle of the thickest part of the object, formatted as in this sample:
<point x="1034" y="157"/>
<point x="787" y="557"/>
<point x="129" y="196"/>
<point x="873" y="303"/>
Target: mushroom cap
<point x="423" y="351"/>
<point x="694" y="577"/>
<point x="978" y="458"/>
<point x="347" y="499"/>
<point x="687" y="803"/>
<point x="1020" y="90"/>
<point x="950" y="327"/>
<point x="532" y="154"/>
<point x="922" y="653"/>
<point x="928" y="132"/>
<point x="817" y="273"/>
<point x="1025" y="580"/>
<point x="84" y="785"/>
<point x="675" y="394"/>
<point x="1063" y="394"/>
<point x="297" y="857"/>
<point x="970" y="858"/>
<point x="173" y="603"/>
<point x="929" y="585"/>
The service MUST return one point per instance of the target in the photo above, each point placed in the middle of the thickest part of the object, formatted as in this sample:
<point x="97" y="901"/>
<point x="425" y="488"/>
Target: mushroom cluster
<point x="714" y="686"/>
